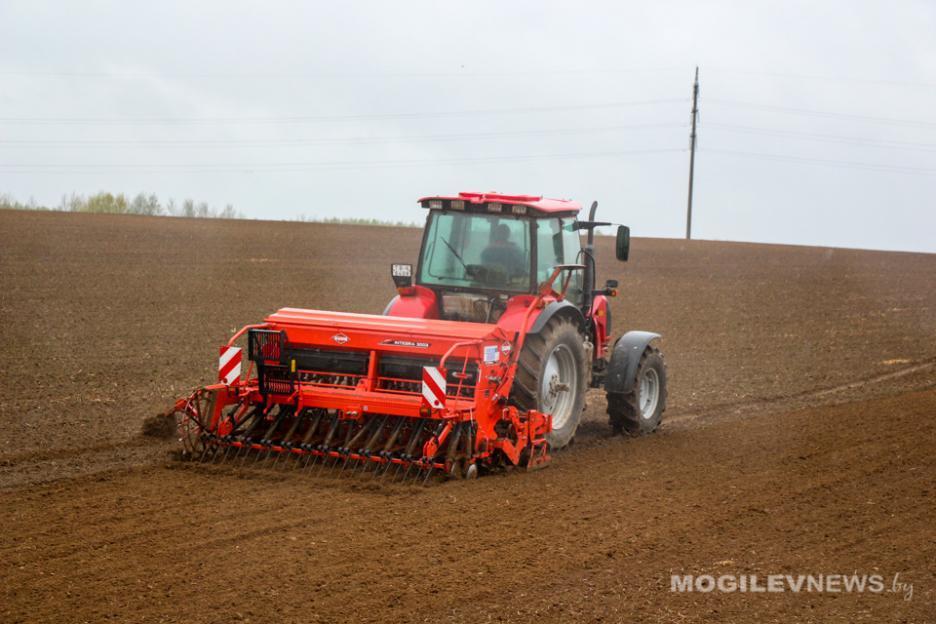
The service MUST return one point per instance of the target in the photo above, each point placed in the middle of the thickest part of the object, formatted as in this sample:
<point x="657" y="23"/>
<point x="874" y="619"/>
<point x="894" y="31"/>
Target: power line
<point x="864" y="166"/>
<point x="859" y="141"/>
<point x="462" y="73"/>
<point x="328" y="118"/>
<point x="825" y="114"/>
<point x="359" y="140"/>
<point x="826" y="78"/>
<point x="304" y="166"/>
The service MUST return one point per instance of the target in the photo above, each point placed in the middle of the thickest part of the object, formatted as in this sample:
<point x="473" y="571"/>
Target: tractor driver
<point x="504" y="253"/>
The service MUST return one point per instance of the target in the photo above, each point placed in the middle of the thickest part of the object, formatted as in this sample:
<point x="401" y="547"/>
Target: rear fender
<point x="513" y="316"/>
<point x="625" y="358"/>
<point x="559" y="309"/>
<point x="414" y="302"/>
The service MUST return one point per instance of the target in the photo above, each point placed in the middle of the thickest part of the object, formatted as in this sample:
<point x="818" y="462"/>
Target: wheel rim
<point x="189" y="424"/>
<point x="649" y="393"/>
<point x="190" y="433"/>
<point x="558" y="386"/>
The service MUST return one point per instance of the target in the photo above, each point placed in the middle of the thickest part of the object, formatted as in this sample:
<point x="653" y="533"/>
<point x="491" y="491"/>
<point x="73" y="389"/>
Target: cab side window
<point x="557" y="243"/>
<point x="571" y="246"/>
<point x="548" y="247"/>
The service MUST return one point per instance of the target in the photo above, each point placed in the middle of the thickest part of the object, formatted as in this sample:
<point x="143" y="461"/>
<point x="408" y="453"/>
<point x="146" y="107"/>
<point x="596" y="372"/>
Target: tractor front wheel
<point x="640" y="410"/>
<point x="551" y="378"/>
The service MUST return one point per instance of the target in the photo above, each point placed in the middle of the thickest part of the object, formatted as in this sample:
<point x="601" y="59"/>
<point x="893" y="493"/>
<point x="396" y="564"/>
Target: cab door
<point x="558" y="243"/>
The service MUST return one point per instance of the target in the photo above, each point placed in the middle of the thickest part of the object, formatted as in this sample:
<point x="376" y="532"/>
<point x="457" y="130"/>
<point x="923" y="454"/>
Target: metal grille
<point x="265" y="345"/>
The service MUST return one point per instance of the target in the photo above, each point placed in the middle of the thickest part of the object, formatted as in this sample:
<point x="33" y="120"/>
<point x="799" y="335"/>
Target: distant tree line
<point x="355" y="221"/>
<point x="150" y="204"/>
<point x="140" y="204"/>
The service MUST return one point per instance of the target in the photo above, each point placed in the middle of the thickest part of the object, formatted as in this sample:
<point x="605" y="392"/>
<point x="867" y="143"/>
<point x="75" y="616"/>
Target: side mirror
<point x="611" y="284"/>
<point x="402" y="275"/>
<point x="622" y="243"/>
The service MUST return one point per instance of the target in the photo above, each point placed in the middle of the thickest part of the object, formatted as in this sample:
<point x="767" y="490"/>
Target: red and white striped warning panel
<point x="229" y="364"/>
<point x="433" y="387"/>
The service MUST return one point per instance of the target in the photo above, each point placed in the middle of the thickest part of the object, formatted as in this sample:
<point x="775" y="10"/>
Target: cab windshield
<point x="476" y="251"/>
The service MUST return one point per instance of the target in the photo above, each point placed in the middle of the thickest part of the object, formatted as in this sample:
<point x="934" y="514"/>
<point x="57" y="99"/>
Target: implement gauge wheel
<point x="551" y="378"/>
<point x="640" y="410"/>
<point x="190" y="424"/>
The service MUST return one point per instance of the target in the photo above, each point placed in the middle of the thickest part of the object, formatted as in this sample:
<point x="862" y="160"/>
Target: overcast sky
<point x="817" y="121"/>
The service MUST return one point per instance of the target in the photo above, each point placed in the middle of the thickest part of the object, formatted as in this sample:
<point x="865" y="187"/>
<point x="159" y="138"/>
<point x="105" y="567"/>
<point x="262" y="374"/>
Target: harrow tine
<point x="338" y="450"/>
<point x="428" y="473"/>
<point x="348" y="448"/>
<point x="308" y="436"/>
<point x="366" y="451"/>
<point x="254" y="425"/>
<point x="390" y="466"/>
<point x="428" y="460"/>
<point x="212" y="452"/>
<point x="386" y="453"/>
<point x="323" y="447"/>
<point x="284" y="412"/>
<point x="271" y="439"/>
<point x="252" y="418"/>
<point x="286" y="444"/>
<point x="385" y="467"/>
<point x="331" y="461"/>
<point x="207" y="436"/>
<point x="207" y="452"/>
<point x="410" y="447"/>
<point x="219" y="450"/>
<point x="419" y="469"/>
<point x="350" y="436"/>
<point x="232" y="416"/>
<point x="374" y="445"/>
<point x="246" y="448"/>
<point x="307" y="445"/>
<point x="269" y="432"/>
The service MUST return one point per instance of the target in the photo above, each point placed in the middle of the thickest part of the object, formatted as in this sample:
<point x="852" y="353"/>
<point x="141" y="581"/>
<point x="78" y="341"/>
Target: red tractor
<point x="481" y="361"/>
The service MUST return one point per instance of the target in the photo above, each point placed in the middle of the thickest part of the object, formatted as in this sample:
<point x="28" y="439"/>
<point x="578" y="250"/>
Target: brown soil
<point x="800" y="439"/>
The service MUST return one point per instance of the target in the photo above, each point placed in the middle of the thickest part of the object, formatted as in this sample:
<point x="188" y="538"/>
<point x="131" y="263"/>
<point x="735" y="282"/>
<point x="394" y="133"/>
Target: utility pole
<point x="692" y="142"/>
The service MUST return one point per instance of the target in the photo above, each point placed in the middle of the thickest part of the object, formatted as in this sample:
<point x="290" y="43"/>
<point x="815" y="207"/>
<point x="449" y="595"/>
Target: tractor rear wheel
<point x="551" y="378"/>
<point x="640" y="410"/>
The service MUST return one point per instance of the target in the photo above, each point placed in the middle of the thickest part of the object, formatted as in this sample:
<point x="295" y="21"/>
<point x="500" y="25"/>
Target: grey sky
<point x="356" y="109"/>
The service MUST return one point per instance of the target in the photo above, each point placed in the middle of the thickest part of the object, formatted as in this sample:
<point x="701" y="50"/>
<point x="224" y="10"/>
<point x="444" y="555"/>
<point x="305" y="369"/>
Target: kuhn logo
<point x="340" y="338"/>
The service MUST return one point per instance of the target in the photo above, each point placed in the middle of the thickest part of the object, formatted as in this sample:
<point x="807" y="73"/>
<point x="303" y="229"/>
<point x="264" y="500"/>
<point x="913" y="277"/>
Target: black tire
<point x="624" y="412"/>
<point x="562" y="338"/>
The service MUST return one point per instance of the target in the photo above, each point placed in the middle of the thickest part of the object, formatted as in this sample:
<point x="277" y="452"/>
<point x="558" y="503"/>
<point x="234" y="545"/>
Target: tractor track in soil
<point x="819" y="396"/>
<point x="800" y="439"/>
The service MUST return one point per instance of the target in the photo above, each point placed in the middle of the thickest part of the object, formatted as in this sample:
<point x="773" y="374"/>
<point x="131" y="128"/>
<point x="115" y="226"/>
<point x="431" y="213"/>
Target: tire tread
<point x="623" y="409"/>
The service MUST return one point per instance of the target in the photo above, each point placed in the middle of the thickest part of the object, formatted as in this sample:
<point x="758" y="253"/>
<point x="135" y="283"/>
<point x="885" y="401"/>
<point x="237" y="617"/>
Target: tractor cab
<point x="476" y="256"/>
<point x="481" y="250"/>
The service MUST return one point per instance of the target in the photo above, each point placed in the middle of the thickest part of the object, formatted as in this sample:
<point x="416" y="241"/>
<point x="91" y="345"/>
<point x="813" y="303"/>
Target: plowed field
<point x="800" y="438"/>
